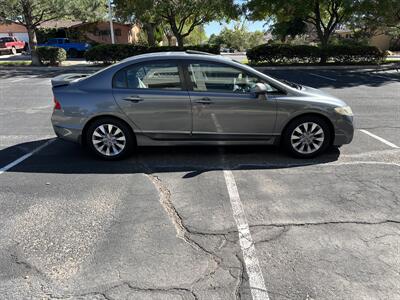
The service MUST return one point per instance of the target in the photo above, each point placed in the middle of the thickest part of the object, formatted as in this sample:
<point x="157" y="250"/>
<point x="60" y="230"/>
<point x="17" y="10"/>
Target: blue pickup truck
<point x="73" y="49"/>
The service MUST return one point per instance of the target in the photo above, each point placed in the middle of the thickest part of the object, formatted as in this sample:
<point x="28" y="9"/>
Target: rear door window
<point x="151" y="75"/>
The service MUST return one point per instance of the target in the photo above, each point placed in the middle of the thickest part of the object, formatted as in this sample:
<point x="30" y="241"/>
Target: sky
<point x="216" y="27"/>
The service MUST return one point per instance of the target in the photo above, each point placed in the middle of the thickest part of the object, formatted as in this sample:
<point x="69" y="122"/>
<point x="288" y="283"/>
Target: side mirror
<point x="260" y="89"/>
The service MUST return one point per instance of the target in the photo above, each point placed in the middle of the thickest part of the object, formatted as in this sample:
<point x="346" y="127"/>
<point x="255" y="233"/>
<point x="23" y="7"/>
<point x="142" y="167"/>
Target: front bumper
<point x="344" y="131"/>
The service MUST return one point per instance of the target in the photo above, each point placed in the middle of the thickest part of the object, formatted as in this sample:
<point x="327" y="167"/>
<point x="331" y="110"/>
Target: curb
<point x="65" y="68"/>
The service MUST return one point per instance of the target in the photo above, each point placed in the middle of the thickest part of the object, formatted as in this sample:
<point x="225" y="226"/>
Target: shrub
<point x="395" y="45"/>
<point x="283" y="53"/>
<point x="287" y="54"/>
<point x="353" y="54"/>
<point x="51" y="55"/>
<point x="112" y="53"/>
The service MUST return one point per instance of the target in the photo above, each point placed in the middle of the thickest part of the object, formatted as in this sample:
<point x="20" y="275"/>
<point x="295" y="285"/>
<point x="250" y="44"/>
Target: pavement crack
<point x="326" y="223"/>
<point x="240" y="278"/>
<point x="182" y="232"/>
<point x="106" y="294"/>
<point x="165" y="200"/>
<point x="178" y="290"/>
<point x="25" y="264"/>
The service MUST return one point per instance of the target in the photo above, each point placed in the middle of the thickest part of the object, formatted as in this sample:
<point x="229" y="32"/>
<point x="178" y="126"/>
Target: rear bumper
<point x="69" y="134"/>
<point x="67" y="128"/>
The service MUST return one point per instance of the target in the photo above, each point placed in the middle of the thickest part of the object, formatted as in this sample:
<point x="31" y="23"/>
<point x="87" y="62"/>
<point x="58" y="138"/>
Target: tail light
<point x="57" y="105"/>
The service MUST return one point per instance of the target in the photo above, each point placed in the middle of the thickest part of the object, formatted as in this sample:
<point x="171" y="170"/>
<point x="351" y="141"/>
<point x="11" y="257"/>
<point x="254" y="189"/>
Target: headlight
<point x="344" y="110"/>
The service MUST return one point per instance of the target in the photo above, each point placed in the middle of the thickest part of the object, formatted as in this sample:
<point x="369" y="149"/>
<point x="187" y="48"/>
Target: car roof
<point x="177" y="55"/>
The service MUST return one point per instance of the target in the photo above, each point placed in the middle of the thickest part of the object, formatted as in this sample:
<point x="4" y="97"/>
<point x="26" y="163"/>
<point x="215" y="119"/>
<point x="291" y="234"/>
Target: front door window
<point x="212" y="77"/>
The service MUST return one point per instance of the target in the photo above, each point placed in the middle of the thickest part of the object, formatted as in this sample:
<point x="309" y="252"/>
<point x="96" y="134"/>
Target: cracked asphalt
<point x="159" y="225"/>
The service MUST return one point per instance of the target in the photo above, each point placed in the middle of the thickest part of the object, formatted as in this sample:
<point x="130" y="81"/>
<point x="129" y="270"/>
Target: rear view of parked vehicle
<point x="186" y="98"/>
<point x="11" y="45"/>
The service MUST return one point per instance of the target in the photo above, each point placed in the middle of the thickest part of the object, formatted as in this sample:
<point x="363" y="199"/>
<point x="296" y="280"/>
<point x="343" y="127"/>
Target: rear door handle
<point x="134" y="99"/>
<point x="204" y="100"/>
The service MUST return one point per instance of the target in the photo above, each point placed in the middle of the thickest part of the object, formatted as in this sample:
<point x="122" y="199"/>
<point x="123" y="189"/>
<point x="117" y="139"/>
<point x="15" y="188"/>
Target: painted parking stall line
<point x="24" y="157"/>
<point x="256" y="279"/>
<point x="17" y="80"/>
<point x="321" y="76"/>
<point x="379" y="139"/>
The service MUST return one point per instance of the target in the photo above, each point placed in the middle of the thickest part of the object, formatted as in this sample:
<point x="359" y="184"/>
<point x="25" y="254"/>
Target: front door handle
<point x="134" y="99"/>
<point x="204" y="100"/>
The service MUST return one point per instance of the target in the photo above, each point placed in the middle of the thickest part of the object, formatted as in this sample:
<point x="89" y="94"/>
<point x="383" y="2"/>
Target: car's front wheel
<point x="109" y="139"/>
<point x="72" y="53"/>
<point x="307" y="137"/>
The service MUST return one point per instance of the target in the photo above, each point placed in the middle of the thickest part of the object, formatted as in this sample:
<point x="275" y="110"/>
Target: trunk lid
<point x="66" y="79"/>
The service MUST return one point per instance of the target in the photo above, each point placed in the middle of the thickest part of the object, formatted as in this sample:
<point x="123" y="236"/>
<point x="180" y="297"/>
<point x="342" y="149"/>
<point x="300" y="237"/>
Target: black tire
<point x="127" y="133"/>
<point x="72" y="53"/>
<point x="13" y="51"/>
<point x="317" y="147"/>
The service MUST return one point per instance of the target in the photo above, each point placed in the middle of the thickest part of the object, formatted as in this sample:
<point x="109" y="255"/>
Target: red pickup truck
<point x="11" y="45"/>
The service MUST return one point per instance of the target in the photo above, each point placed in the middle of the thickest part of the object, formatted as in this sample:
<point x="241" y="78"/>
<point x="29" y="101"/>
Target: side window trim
<point x="190" y="85"/>
<point x="183" y="83"/>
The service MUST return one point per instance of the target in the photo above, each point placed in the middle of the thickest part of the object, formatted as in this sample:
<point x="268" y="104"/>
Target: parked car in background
<point x="73" y="49"/>
<point x="227" y="50"/>
<point x="187" y="98"/>
<point x="11" y="45"/>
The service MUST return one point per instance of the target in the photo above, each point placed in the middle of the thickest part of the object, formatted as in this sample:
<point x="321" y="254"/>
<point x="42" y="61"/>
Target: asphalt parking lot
<point x="201" y="222"/>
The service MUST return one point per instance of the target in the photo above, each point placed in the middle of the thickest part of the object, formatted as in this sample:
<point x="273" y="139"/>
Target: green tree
<point x="239" y="38"/>
<point x="324" y="15"/>
<point x="215" y="39"/>
<point x="292" y="28"/>
<point x="373" y="15"/>
<point x="181" y="16"/>
<point x="197" y="36"/>
<point x="142" y="12"/>
<point x="32" y="13"/>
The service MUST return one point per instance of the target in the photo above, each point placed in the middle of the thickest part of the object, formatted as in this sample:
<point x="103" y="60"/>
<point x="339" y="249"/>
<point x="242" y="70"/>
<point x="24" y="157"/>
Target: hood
<point x="320" y="96"/>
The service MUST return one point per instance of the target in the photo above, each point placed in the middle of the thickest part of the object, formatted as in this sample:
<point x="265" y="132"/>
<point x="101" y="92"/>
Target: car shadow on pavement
<point x="63" y="157"/>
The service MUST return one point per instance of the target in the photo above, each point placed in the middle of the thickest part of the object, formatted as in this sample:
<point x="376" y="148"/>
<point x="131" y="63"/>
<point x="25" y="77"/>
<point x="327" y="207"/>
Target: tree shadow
<point x="62" y="157"/>
<point x="44" y="71"/>
<point x="341" y="78"/>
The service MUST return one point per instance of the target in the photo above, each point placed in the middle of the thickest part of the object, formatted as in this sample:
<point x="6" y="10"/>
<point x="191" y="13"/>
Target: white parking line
<point x="379" y="139"/>
<point x="22" y="158"/>
<point x="17" y="80"/>
<point x="256" y="279"/>
<point x="329" y="78"/>
<point x="11" y="140"/>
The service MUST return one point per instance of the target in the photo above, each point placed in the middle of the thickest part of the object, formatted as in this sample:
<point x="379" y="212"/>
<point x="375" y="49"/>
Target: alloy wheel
<point x="108" y="139"/>
<point x="307" y="138"/>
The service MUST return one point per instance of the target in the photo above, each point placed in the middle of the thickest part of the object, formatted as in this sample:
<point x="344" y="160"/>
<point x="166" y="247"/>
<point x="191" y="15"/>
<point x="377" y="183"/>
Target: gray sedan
<point x="187" y="98"/>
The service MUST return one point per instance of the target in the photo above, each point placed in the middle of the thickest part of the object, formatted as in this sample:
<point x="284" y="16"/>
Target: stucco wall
<point x="381" y="41"/>
<point x="100" y="32"/>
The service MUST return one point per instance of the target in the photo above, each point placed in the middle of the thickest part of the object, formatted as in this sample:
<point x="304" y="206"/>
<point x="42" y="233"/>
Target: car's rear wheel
<point x="307" y="137"/>
<point x="109" y="139"/>
<point x="13" y="51"/>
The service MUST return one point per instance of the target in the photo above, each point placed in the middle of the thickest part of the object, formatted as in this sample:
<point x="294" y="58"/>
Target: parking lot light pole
<point x="111" y="22"/>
